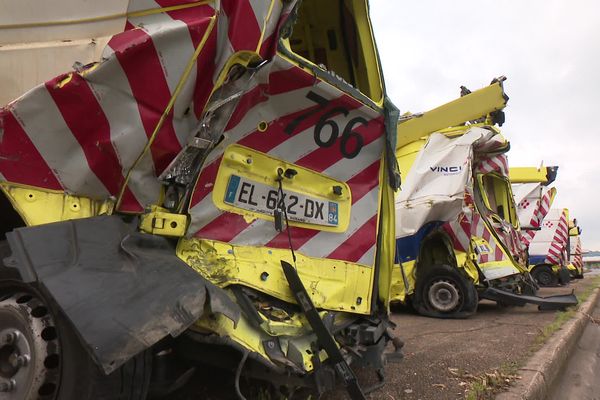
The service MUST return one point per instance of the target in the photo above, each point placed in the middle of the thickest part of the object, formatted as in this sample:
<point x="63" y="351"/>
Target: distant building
<point x="591" y="259"/>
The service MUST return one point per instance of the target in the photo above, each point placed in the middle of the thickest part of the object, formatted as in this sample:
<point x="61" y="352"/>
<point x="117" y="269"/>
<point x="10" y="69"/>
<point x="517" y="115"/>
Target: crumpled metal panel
<point x="122" y="290"/>
<point x="110" y="128"/>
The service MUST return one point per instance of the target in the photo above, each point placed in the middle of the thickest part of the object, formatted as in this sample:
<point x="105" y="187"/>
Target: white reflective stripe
<point x="141" y="5"/>
<point x="273" y="20"/>
<point x="261" y="9"/>
<point x="303" y="143"/>
<point x="479" y="226"/>
<point x="128" y="136"/>
<point x="60" y="149"/>
<point x="205" y="211"/>
<point x="224" y="47"/>
<point x="324" y="243"/>
<point x="369" y="257"/>
<point x="460" y="234"/>
<point x="173" y="43"/>
<point x="499" y="272"/>
<point x="258" y="233"/>
<point x="2" y="178"/>
<point x="108" y="52"/>
<point x="285" y="104"/>
<point x="347" y="168"/>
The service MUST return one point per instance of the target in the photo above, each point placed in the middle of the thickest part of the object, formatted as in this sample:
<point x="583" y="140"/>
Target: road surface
<point x="581" y="377"/>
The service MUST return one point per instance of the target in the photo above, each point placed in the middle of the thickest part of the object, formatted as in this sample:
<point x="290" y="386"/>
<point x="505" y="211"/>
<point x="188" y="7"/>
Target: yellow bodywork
<point x="473" y="106"/>
<point x="40" y="206"/>
<point x="332" y="284"/>
<point x="528" y="175"/>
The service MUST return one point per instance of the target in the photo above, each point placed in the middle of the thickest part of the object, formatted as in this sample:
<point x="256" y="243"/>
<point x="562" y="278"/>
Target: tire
<point x="53" y="364"/>
<point x="544" y="276"/>
<point x="442" y="291"/>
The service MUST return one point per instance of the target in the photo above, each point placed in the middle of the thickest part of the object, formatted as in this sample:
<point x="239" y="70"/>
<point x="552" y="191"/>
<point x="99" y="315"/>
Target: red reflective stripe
<point x="269" y="46"/>
<point x="138" y="57"/>
<point x="498" y="254"/>
<point x="206" y="181"/>
<point x="360" y="185"/>
<point x="466" y="226"/>
<point x="279" y="83"/>
<point x="486" y="234"/>
<point x="20" y="161"/>
<point x="206" y="69"/>
<point x="243" y="30"/>
<point x="483" y="258"/>
<point x="223" y="228"/>
<point x="85" y="118"/>
<point x="358" y="243"/>
<point x="457" y="244"/>
<point x="198" y="19"/>
<point x="249" y="100"/>
<point x="495" y="166"/>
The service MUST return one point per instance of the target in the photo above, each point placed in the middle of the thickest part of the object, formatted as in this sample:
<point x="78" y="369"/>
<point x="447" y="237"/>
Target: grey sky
<point x="550" y="52"/>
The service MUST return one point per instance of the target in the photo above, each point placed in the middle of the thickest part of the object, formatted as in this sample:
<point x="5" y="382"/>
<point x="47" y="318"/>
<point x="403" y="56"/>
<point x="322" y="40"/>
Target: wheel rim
<point x="29" y="349"/>
<point x="444" y="295"/>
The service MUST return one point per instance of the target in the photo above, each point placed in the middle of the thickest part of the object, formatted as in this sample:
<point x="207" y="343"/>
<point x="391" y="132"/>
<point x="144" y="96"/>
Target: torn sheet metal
<point x="440" y="188"/>
<point x="122" y="290"/>
<point x="103" y="131"/>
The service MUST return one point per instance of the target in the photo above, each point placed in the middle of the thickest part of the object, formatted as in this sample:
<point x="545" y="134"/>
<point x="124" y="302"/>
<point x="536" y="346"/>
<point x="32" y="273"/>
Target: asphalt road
<point x="580" y="378"/>
<point x="441" y="357"/>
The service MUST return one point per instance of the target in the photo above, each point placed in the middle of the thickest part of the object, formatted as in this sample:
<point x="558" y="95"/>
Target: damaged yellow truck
<point x="217" y="188"/>
<point x="457" y="232"/>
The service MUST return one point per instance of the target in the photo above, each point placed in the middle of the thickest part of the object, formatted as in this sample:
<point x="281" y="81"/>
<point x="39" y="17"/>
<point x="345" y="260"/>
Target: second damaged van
<point x="217" y="189"/>
<point x="457" y="232"/>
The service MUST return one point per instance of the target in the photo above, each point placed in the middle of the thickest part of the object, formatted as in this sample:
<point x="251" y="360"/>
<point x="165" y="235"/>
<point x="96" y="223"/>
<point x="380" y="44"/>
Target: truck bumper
<point x="559" y="302"/>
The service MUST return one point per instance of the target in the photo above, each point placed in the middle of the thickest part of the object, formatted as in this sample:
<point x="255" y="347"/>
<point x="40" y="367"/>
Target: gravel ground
<point x="441" y="357"/>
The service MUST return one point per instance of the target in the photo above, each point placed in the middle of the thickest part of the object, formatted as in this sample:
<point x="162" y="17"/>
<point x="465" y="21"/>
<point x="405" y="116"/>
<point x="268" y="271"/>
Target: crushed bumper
<point x="559" y="302"/>
<point x="122" y="290"/>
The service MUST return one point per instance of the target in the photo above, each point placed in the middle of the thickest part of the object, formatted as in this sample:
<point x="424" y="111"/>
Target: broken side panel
<point x="102" y="131"/>
<point x="291" y="120"/>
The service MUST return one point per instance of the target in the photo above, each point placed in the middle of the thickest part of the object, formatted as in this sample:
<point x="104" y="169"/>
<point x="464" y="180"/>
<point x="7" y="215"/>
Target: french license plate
<point x="258" y="197"/>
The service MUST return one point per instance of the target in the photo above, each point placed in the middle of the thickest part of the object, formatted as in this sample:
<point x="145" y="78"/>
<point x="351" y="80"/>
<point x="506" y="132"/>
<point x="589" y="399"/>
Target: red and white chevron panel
<point x="278" y="97"/>
<point x="541" y="208"/>
<point x="497" y="163"/>
<point x="82" y="132"/>
<point x="556" y="250"/>
<point x="575" y="250"/>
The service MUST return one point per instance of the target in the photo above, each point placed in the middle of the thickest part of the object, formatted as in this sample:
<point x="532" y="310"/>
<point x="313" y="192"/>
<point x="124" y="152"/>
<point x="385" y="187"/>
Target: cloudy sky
<point x="549" y="51"/>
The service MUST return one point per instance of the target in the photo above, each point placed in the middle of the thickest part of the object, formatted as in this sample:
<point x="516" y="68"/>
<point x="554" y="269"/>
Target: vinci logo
<point x="449" y="170"/>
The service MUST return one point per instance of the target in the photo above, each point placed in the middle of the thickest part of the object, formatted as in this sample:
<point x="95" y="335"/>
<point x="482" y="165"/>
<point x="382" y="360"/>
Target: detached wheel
<point x="544" y="276"/>
<point x="442" y="291"/>
<point x="42" y="358"/>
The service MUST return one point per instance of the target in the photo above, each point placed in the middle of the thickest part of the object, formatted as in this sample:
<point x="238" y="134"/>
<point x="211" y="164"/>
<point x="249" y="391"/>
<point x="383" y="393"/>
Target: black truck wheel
<point x="544" y="276"/>
<point x="443" y="292"/>
<point x="42" y="358"/>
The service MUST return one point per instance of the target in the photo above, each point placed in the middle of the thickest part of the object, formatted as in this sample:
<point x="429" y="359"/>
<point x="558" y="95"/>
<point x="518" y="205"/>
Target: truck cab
<point x="540" y="226"/>
<point x="575" y="265"/>
<point x="457" y="231"/>
<point x="238" y="212"/>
